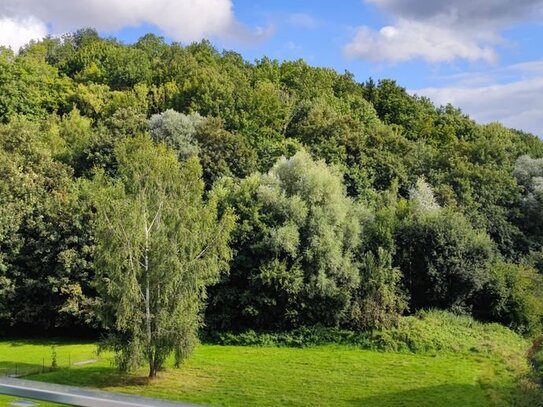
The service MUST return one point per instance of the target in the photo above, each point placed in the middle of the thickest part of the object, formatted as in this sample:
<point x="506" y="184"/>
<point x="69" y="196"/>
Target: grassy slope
<point x="445" y="360"/>
<point x="30" y="356"/>
<point x="319" y="376"/>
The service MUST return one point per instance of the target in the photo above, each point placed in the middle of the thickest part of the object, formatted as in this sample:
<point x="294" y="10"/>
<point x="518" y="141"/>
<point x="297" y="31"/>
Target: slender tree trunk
<point x="153" y="364"/>
<point x="152" y="369"/>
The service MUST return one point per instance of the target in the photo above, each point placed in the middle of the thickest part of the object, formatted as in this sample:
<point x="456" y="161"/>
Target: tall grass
<point x="426" y="332"/>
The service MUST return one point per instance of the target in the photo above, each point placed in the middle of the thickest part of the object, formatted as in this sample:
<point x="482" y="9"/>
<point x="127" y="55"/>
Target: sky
<point x="483" y="56"/>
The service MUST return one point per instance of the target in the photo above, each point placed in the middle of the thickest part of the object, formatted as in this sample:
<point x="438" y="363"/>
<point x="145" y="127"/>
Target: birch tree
<point x="158" y="246"/>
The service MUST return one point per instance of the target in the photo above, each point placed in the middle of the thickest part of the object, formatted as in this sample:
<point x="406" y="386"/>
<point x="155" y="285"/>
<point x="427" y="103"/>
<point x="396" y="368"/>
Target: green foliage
<point x="45" y="239"/>
<point x="106" y="62"/>
<point x="177" y="131"/>
<point x="54" y="363"/>
<point x="536" y="357"/>
<point x="295" y="246"/>
<point x="529" y="174"/>
<point x="422" y="199"/>
<point x="444" y="260"/>
<point x="427" y="332"/>
<point x="158" y="246"/>
<point x="30" y="87"/>
<point x="393" y="200"/>
<point x="379" y="301"/>
<point x="535" y="260"/>
<point x="223" y="153"/>
<point x="512" y="297"/>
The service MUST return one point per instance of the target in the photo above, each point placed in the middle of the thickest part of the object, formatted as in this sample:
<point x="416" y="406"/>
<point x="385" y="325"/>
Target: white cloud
<point x="517" y="104"/>
<point x="15" y="33"/>
<point x="411" y="39"/>
<point x="530" y="67"/>
<point x="440" y="30"/>
<point x="182" y="20"/>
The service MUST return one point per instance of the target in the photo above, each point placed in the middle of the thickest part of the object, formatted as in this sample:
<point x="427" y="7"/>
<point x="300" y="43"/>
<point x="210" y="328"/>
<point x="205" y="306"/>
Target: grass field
<point x="271" y="376"/>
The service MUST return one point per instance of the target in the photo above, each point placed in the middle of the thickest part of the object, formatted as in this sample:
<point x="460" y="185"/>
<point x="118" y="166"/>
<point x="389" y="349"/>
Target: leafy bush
<point x="379" y="300"/>
<point x="426" y="332"/>
<point x="444" y="260"/>
<point x="295" y="244"/>
<point x="512" y="297"/>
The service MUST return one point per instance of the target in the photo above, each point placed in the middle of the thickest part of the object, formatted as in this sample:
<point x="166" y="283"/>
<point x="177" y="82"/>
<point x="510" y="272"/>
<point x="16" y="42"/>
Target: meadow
<point x="493" y="371"/>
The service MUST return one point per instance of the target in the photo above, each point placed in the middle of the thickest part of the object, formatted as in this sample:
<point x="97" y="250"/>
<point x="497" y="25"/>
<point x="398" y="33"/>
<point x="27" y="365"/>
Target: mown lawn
<point x="23" y="357"/>
<point x="268" y="376"/>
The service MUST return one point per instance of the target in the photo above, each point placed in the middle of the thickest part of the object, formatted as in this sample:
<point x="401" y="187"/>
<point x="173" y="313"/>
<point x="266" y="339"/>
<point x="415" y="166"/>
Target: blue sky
<point x="481" y="55"/>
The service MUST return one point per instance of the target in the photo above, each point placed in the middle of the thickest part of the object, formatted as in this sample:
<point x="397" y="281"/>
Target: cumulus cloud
<point x="440" y="30"/>
<point x="516" y="104"/>
<point x="16" y="32"/>
<point x="182" y="20"/>
<point x="412" y="39"/>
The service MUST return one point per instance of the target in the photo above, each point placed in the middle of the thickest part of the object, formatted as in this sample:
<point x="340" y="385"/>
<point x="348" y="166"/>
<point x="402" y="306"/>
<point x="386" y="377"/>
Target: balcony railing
<point x="75" y="396"/>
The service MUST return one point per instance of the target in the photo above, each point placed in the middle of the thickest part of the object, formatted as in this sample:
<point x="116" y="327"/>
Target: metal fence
<point x="45" y="363"/>
<point x="22" y="369"/>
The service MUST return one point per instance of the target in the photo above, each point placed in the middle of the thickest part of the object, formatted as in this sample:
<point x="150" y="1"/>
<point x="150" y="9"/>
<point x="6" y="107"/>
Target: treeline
<point x="355" y="203"/>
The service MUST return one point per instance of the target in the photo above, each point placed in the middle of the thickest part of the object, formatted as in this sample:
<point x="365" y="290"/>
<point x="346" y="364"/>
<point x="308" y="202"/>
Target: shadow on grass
<point x="17" y="342"/>
<point x="10" y="368"/>
<point x="527" y="394"/>
<point x="453" y="395"/>
<point x="96" y="376"/>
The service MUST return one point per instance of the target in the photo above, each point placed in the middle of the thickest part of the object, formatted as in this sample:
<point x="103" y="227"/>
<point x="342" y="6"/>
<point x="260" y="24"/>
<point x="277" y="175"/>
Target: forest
<point x="266" y="196"/>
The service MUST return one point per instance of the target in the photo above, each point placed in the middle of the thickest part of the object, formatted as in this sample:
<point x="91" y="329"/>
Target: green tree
<point x="422" y="198"/>
<point x="512" y="296"/>
<point x="444" y="260"/>
<point x="223" y="153"/>
<point x="296" y="245"/>
<point x="45" y="232"/>
<point x="30" y="86"/>
<point x="379" y="300"/>
<point x="107" y="62"/>
<point x="529" y="174"/>
<point x="177" y="131"/>
<point x="158" y="246"/>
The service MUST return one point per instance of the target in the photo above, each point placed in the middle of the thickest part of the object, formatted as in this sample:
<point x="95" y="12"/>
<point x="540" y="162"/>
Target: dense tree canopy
<point x="355" y="202"/>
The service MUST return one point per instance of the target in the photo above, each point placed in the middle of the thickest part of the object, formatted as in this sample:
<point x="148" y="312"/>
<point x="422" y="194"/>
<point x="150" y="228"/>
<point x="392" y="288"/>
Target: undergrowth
<point x="426" y="332"/>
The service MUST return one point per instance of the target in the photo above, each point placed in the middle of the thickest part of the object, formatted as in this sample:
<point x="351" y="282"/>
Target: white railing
<point x="75" y="396"/>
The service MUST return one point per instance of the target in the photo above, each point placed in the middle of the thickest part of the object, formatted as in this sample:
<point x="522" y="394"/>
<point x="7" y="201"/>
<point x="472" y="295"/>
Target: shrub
<point x="426" y="332"/>
<point x="512" y="297"/>
<point x="444" y="260"/>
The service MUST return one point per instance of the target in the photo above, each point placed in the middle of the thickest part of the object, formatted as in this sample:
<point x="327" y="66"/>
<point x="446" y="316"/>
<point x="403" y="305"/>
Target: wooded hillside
<point x="354" y="203"/>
